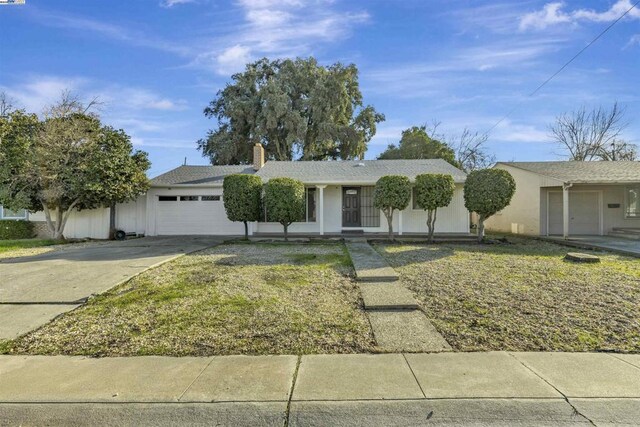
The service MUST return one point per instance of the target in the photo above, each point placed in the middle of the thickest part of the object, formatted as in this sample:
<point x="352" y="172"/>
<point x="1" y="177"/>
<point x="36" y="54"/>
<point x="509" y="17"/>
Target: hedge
<point x="11" y="229"/>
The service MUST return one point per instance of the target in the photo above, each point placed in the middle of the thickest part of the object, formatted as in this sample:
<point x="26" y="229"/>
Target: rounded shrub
<point x="392" y="192"/>
<point x="284" y="201"/>
<point x="242" y="196"/>
<point x="486" y="192"/>
<point x="433" y="191"/>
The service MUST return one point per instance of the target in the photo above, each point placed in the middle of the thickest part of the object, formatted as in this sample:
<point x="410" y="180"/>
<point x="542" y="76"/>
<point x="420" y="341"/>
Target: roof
<point x="312" y="172"/>
<point x="199" y="175"/>
<point x="355" y="171"/>
<point x="594" y="172"/>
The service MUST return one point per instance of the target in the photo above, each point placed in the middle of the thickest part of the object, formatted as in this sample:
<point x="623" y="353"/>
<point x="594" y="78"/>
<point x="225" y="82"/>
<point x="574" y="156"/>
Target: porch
<point x="347" y="210"/>
<point x="590" y="210"/>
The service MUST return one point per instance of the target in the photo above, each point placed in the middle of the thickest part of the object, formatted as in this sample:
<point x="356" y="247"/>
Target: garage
<point x="584" y="213"/>
<point x="193" y="215"/>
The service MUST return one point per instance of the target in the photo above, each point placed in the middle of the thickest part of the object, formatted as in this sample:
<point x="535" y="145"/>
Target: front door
<point x="351" y="207"/>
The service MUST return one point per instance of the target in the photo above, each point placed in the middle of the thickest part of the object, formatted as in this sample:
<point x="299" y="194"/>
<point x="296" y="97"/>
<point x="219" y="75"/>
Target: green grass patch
<point x="11" y="245"/>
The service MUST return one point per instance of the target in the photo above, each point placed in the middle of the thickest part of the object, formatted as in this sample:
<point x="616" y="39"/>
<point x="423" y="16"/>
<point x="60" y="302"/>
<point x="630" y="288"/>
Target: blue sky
<point x="157" y="63"/>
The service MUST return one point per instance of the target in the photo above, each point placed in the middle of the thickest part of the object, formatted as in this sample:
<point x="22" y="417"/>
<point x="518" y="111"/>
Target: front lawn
<point x="26" y="246"/>
<point x="523" y="296"/>
<point x="231" y="299"/>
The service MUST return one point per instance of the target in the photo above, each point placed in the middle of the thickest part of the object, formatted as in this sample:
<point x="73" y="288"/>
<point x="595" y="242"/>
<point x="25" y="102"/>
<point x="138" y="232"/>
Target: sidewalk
<point x="385" y="389"/>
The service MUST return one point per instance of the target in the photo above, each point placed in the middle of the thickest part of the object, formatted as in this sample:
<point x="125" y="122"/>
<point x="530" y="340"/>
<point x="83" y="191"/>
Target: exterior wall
<point x="523" y="214"/>
<point x="141" y="217"/>
<point x="610" y="217"/>
<point x="452" y="219"/>
<point x="92" y="224"/>
<point x="132" y="217"/>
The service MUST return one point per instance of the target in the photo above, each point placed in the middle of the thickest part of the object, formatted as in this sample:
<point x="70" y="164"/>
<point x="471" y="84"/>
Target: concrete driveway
<point x="37" y="288"/>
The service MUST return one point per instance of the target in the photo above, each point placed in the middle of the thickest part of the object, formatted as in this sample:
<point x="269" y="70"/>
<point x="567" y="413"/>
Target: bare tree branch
<point x="7" y="104"/>
<point x="70" y="103"/>
<point x="593" y="135"/>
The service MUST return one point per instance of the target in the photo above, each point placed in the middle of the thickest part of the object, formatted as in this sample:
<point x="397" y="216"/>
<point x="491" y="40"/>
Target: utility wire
<point x="566" y="64"/>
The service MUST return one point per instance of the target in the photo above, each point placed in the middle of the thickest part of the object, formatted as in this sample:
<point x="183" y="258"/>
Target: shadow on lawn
<point x="402" y="254"/>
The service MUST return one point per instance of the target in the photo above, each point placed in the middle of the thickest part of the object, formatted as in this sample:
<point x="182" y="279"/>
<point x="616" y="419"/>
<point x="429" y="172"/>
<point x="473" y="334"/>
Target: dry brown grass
<point x="523" y="296"/>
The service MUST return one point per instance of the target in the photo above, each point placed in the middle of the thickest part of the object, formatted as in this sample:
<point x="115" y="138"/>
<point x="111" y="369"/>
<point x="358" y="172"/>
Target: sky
<point x="156" y="64"/>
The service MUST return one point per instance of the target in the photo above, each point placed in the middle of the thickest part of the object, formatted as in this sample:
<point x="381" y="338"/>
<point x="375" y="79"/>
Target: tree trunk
<point x="431" y="223"/>
<point x="389" y="215"/>
<point x="56" y="229"/>
<point x="246" y="231"/>
<point x="481" y="219"/>
<point x="112" y="221"/>
<point x="286" y="237"/>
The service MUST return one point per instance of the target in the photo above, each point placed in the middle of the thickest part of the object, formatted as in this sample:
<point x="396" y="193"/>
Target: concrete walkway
<point x="35" y="289"/>
<point x="389" y="389"/>
<point x="619" y="245"/>
<point x="397" y="322"/>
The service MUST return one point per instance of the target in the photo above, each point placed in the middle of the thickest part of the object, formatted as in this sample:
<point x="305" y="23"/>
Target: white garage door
<point x="584" y="213"/>
<point x="195" y="215"/>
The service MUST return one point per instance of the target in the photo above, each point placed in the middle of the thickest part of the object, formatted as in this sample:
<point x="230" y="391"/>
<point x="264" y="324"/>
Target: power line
<point x="566" y="64"/>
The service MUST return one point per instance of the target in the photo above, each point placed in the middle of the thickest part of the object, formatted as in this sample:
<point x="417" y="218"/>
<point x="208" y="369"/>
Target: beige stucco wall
<point x="522" y="216"/>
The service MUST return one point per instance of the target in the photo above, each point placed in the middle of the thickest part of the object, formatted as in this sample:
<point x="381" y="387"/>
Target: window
<point x="414" y="203"/>
<point x="210" y="198"/>
<point x="9" y="214"/>
<point x="168" y="198"/>
<point x="632" y="202"/>
<point x="311" y="204"/>
<point x="309" y="215"/>
<point x="189" y="198"/>
<point x="369" y="215"/>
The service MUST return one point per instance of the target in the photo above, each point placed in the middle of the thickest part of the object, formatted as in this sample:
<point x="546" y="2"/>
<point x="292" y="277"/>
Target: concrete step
<point x="628" y="230"/>
<point x="624" y="235"/>
<point x="385" y="296"/>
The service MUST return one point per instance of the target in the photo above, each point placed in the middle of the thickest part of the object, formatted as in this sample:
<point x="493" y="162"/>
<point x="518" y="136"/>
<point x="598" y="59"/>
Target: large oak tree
<point x="297" y="109"/>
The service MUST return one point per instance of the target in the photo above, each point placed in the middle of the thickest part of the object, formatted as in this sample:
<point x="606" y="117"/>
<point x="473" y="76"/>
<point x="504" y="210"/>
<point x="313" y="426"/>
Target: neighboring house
<point x="571" y="198"/>
<point x="188" y="200"/>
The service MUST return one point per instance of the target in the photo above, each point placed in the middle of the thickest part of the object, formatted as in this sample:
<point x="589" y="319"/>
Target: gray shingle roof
<point x="584" y="172"/>
<point x="194" y="175"/>
<point x="354" y="171"/>
<point x="311" y="172"/>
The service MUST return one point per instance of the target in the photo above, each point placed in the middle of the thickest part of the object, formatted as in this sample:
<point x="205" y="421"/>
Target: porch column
<point x="321" y="207"/>
<point x="565" y="210"/>
<point x="399" y="223"/>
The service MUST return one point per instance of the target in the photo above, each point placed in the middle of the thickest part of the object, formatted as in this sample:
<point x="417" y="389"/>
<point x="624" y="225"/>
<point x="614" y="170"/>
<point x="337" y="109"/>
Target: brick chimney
<point x="258" y="156"/>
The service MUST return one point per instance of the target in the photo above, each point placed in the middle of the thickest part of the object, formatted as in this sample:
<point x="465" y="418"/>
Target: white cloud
<point x="634" y="40"/>
<point x="282" y="28"/>
<point x="111" y="31"/>
<point x="233" y="59"/>
<point x="39" y="91"/>
<point x="512" y="132"/>
<point x="553" y="14"/>
<point x="171" y="3"/>
<point x="138" y="98"/>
